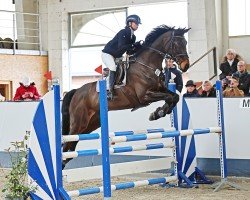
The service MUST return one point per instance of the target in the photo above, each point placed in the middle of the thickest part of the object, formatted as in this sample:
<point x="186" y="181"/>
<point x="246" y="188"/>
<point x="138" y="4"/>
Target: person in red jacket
<point x="27" y="91"/>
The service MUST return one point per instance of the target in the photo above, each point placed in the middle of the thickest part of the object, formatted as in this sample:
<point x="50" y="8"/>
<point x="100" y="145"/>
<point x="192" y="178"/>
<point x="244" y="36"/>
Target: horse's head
<point x="176" y="48"/>
<point x="171" y="43"/>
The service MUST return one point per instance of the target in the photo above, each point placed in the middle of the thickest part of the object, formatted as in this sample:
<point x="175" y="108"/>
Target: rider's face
<point x="134" y="26"/>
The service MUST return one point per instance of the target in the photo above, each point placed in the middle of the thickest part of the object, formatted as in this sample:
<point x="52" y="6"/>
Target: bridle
<point x="165" y="55"/>
<point x="168" y="55"/>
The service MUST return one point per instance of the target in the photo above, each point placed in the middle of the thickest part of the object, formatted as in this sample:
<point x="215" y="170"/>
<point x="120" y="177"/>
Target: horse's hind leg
<point x="68" y="146"/>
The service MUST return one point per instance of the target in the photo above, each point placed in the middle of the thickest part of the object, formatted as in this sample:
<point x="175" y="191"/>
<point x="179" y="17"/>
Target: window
<point x="95" y="28"/>
<point x="239" y="17"/>
<point x="19" y="25"/>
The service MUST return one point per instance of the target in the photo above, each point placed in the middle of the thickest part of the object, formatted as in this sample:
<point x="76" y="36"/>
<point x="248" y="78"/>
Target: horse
<point x="80" y="107"/>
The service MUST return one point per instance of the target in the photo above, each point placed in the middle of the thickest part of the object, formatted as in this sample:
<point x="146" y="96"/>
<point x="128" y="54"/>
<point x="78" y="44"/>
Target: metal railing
<point x="20" y="31"/>
<point x="214" y="61"/>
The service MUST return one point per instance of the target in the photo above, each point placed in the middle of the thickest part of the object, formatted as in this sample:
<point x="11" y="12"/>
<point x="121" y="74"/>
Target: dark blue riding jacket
<point x="121" y="43"/>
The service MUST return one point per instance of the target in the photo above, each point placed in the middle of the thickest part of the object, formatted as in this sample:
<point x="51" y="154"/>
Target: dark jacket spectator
<point x="229" y="64"/>
<point x="244" y="77"/>
<point x="172" y="73"/>
<point x="208" y="90"/>
<point x="191" y="89"/>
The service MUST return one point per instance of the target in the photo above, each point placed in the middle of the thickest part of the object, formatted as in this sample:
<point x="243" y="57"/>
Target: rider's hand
<point x="138" y="44"/>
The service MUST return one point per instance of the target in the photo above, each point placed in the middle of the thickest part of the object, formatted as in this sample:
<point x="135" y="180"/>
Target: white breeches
<point x="108" y="61"/>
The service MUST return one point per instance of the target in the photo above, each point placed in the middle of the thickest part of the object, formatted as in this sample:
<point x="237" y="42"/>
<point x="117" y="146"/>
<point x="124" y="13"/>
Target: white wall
<point x="241" y="45"/>
<point x="13" y="126"/>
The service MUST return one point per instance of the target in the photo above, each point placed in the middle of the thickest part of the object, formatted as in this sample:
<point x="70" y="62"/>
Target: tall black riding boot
<point x="111" y="85"/>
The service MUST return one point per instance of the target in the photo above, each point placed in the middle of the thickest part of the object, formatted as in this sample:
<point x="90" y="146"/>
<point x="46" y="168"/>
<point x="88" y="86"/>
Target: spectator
<point x="225" y="83"/>
<point x="233" y="90"/>
<point x="191" y="89"/>
<point x="244" y="77"/>
<point x="27" y="91"/>
<point x="173" y="74"/>
<point x="2" y="98"/>
<point x="208" y="90"/>
<point x="229" y="64"/>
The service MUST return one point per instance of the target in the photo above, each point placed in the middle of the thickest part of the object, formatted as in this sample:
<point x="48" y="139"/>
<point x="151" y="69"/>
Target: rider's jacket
<point x="121" y="43"/>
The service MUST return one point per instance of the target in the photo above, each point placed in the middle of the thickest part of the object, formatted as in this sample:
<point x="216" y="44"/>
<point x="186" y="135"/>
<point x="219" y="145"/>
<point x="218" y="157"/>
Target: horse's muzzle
<point x="186" y="67"/>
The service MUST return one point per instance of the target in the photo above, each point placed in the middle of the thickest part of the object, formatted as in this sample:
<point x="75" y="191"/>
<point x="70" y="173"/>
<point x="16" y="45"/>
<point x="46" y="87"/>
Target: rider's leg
<point x="111" y="84"/>
<point x="109" y="62"/>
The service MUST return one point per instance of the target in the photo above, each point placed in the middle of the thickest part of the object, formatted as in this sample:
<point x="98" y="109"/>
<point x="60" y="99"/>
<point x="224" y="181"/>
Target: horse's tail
<point x="65" y="112"/>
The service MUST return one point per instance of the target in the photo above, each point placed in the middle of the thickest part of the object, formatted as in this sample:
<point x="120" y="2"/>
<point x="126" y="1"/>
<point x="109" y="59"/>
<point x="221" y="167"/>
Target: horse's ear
<point x="186" y="30"/>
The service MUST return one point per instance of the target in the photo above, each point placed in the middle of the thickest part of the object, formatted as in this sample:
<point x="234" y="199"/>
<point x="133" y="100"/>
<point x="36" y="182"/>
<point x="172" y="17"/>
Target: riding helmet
<point x="133" y="18"/>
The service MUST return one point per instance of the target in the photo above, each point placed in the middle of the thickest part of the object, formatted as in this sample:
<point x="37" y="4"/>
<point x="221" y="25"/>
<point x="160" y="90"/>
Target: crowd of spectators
<point x="234" y="76"/>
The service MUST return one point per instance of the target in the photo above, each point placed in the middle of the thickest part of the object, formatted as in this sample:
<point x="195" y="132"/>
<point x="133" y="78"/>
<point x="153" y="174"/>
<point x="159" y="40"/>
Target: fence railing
<point x="214" y="61"/>
<point x="20" y="31"/>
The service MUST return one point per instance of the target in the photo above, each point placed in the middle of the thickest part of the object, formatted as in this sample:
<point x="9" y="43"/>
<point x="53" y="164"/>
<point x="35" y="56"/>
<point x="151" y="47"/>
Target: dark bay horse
<point x="80" y="108"/>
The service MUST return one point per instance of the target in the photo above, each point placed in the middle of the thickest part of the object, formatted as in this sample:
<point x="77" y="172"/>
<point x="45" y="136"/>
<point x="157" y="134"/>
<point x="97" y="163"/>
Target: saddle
<point x="121" y="71"/>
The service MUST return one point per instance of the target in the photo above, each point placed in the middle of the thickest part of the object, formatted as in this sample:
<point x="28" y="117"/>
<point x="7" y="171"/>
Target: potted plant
<point x="16" y="186"/>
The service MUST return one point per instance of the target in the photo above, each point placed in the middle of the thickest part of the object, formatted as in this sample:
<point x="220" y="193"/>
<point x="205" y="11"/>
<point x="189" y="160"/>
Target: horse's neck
<point x="151" y="58"/>
<point x="155" y="53"/>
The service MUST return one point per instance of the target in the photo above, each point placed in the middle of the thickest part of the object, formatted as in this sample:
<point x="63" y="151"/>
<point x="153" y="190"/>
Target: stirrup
<point x="110" y="95"/>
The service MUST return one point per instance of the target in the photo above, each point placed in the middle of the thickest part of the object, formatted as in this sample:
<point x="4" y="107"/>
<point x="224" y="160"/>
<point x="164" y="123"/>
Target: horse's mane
<point x="159" y="30"/>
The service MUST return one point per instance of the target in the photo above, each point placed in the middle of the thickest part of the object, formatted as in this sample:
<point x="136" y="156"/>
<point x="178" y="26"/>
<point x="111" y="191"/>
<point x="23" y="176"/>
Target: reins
<point x="164" y="55"/>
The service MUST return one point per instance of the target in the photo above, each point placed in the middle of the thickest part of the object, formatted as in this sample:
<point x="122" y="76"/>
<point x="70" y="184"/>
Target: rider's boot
<point x="110" y="93"/>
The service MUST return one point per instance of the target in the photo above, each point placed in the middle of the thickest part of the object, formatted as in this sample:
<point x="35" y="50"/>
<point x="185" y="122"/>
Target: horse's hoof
<point x="161" y="113"/>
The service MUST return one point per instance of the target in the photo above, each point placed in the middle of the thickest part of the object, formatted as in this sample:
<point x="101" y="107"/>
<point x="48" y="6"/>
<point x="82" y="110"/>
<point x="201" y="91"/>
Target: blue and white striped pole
<point x="121" y="186"/>
<point x="174" y="123"/>
<point x="220" y="114"/>
<point x="105" y="139"/>
<point x="95" y="136"/>
<point x="114" y="150"/>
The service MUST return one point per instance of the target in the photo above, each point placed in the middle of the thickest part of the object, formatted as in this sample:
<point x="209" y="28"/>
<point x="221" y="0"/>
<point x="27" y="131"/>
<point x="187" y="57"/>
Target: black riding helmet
<point x="133" y="18"/>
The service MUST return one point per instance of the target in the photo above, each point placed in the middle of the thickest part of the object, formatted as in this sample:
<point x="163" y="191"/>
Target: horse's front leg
<point x="171" y="99"/>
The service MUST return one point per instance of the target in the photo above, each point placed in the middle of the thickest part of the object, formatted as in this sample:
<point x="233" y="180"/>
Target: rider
<point x="124" y="41"/>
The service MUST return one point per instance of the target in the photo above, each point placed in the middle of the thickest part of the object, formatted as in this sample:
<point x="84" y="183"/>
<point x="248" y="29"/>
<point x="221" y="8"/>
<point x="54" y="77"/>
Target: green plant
<point x="16" y="185"/>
